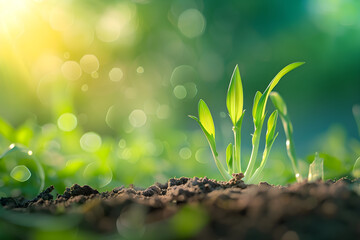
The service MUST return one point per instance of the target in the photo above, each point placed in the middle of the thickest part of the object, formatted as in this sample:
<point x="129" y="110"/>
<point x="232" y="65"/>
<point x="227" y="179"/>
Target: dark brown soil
<point x="216" y="210"/>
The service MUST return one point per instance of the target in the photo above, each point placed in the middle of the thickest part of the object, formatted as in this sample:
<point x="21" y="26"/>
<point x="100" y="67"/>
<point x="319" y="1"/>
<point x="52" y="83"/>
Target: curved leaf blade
<point x="271" y="127"/>
<point x="234" y="98"/>
<point x="205" y="118"/>
<point x="256" y="101"/>
<point x="208" y="136"/>
<point x="229" y="158"/>
<point x="260" y="110"/>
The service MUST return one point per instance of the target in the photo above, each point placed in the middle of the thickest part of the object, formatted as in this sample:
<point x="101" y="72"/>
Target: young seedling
<point x="316" y="168"/>
<point x="280" y="105"/>
<point x="234" y="103"/>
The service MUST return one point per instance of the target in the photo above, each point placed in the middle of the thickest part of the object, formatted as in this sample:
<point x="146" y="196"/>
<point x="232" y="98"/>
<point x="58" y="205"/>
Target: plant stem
<point x="237" y="150"/>
<point x="254" y="152"/>
<point x="291" y="154"/>
<point x="290" y="148"/>
<point x="221" y="168"/>
<point x="258" y="171"/>
<point x="219" y="165"/>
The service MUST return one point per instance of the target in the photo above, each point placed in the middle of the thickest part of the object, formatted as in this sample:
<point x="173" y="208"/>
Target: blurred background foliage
<point x="99" y="91"/>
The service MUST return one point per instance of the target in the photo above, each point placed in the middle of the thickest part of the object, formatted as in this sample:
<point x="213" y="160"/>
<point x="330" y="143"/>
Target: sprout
<point x="280" y="105"/>
<point x="316" y="169"/>
<point x="234" y="103"/>
<point x="234" y="99"/>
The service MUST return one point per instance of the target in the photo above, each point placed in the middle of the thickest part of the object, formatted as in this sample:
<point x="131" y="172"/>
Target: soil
<point x="201" y="208"/>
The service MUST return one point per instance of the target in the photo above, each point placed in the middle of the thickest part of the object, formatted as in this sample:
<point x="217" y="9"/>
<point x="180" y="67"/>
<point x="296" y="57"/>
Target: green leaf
<point x="260" y="110"/>
<point x="234" y="99"/>
<point x="229" y="158"/>
<point x="256" y="101"/>
<point x="279" y="103"/>
<point x="209" y="137"/>
<point x="271" y="127"/>
<point x="316" y="169"/>
<point x="205" y="118"/>
<point x="6" y="129"/>
<point x="211" y="141"/>
<point x="356" y="169"/>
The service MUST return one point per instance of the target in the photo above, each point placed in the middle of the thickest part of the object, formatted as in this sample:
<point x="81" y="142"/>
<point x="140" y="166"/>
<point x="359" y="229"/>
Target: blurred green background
<point x="99" y="91"/>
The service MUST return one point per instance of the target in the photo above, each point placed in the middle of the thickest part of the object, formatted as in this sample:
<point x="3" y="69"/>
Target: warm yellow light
<point x="9" y="8"/>
<point x="25" y="37"/>
<point x="10" y="22"/>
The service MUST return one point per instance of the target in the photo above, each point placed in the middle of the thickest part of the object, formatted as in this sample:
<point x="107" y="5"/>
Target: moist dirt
<point x="202" y="208"/>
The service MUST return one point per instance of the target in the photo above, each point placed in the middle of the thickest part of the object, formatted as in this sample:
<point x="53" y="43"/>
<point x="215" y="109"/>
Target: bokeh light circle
<point x="20" y="173"/>
<point x="202" y="155"/>
<point x="140" y="69"/>
<point x="191" y="23"/>
<point x="180" y="91"/>
<point x="71" y="70"/>
<point x="67" y="122"/>
<point x="137" y="118"/>
<point x="90" y="142"/>
<point x="185" y="153"/>
<point x="89" y="63"/>
<point x="116" y="74"/>
<point x="113" y="23"/>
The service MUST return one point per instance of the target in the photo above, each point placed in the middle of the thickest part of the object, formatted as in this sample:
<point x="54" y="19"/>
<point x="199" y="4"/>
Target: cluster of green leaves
<point x="234" y="103"/>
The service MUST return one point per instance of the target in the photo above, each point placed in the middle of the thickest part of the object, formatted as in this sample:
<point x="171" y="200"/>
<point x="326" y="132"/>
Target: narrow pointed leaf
<point x="316" y="169"/>
<point x="229" y="158"/>
<point x="211" y="141"/>
<point x="271" y="127"/>
<point x="256" y="101"/>
<point x="234" y="99"/>
<point x="260" y="110"/>
<point x="205" y="118"/>
<point x="208" y="136"/>
<point x="280" y="105"/>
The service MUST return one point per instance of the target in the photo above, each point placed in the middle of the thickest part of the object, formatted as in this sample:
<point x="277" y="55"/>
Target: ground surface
<point x="201" y="208"/>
